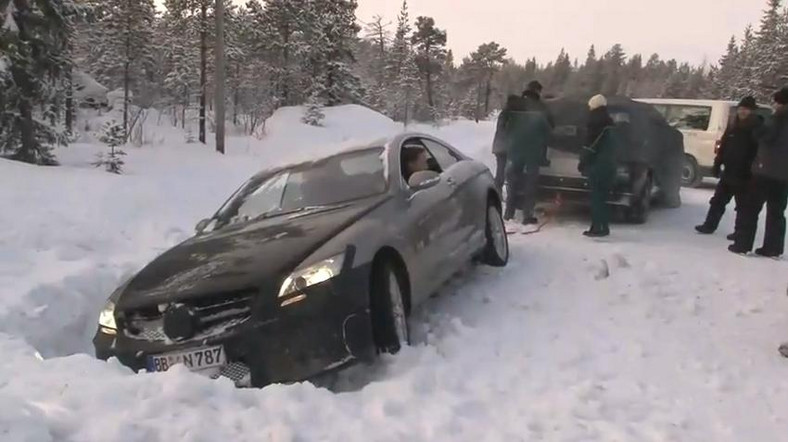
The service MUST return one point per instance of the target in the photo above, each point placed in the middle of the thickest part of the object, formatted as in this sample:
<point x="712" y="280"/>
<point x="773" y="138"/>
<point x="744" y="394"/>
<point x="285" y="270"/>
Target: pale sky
<point x="688" y="30"/>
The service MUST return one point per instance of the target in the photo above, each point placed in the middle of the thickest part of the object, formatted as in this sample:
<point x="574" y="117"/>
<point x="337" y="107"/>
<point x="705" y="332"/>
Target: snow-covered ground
<point x="655" y="334"/>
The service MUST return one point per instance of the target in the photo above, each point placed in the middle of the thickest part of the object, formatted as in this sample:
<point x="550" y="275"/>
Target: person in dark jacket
<point x="733" y="163"/>
<point x="597" y="162"/>
<point x="500" y="148"/>
<point x="768" y="186"/>
<point x="527" y="133"/>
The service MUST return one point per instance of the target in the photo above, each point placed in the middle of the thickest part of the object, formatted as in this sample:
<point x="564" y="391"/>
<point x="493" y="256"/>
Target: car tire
<point x="639" y="211"/>
<point x="691" y="175"/>
<point x="388" y="308"/>
<point x="496" y="249"/>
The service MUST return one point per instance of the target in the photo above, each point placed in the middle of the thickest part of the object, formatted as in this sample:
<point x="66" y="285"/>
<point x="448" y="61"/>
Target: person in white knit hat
<point x="597" y="162"/>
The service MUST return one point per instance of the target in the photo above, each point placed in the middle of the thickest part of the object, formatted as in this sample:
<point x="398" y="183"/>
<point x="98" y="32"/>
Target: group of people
<point x="522" y="135"/>
<point x="752" y="165"/>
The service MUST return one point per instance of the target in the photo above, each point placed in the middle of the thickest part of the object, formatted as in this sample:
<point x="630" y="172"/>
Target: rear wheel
<point x="690" y="172"/>
<point x="496" y="249"/>
<point x="388" y="308"/>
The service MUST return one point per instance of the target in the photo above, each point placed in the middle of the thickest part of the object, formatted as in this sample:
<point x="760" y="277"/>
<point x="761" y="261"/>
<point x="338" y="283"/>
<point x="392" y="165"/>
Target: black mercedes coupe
<point x="310" y="267"/>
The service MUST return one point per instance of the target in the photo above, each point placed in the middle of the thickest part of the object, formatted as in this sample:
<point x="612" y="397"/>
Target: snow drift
<point x="656" y="334"/>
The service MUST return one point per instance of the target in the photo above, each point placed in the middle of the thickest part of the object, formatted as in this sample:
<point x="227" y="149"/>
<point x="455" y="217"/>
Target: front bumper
<point x="328" y="329"/>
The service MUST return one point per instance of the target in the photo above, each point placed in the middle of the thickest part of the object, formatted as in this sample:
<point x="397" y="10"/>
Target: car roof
<point x="690" y="102"/>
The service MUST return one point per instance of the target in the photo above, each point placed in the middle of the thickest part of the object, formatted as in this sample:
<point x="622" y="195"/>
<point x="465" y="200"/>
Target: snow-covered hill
<point x="656" y="334"/>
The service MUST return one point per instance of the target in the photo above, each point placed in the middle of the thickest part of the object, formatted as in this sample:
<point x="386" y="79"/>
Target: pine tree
<point x="123" y="44"/>
<point x="613" y="64"/>
<point x="377" y="34"/>
<point x="114" y="136"/>
<point x="562" y="70"/>
<point x="429" y="43"/>
<point x="769" y="51"/>
<point x="180" y="80"/>
<point x="487" y="61"/>
<point x="339" y="29"/>
<point x="723" y="86"/>
<point x="746" y="78"/>
<point x="35" y="59"/>
<point x="401" y="71"/>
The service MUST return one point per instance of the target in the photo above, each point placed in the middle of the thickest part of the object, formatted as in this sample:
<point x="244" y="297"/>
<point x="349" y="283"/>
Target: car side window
<point x="442" y="154"/>
<point x="418" y="145"/>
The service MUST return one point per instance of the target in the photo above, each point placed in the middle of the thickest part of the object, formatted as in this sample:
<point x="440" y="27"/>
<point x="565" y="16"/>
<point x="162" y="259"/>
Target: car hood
<point x="251" y="256"/>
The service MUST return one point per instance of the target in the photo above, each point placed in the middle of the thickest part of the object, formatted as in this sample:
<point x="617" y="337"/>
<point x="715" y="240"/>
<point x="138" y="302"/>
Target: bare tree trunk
<point x="220" y="76"/>
<point x="487" y="92"/>
<point x="203" y="66"/>
<point x="70" y="100"/>
<point x="236" y="94"/>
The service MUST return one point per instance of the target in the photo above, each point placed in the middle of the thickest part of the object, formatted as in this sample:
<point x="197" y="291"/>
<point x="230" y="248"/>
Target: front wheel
<point x="389" y="315"/>
<point x="496" y="249"/>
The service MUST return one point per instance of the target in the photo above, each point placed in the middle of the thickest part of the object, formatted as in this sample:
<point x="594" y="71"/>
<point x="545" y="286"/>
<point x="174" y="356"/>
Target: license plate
<point x="195" y="360"/>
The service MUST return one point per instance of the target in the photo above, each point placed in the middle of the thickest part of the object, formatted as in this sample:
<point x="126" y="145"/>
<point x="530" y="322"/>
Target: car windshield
<point x="334" y="180"/>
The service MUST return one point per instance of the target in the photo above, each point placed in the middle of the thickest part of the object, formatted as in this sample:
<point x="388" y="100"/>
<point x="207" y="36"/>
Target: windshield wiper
<point x="280" y="212"/>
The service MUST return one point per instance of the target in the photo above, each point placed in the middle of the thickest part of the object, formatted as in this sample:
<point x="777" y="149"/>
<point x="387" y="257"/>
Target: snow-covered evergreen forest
<point x="313" y="52"/>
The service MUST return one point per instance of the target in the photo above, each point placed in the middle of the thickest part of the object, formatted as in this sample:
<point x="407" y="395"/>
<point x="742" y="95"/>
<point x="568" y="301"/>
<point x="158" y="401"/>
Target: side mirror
<point x="424" y="180"/>
<point x="202" y="225"/>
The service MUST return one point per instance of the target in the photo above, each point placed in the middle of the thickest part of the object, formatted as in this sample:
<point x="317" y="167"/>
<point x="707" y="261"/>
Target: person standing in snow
<point x="733" y="163"/>
<point x="500" y="148"/>
<point x="597" y="162"/>
<point x="768" y="186"/>
<point x="527" y="131"/>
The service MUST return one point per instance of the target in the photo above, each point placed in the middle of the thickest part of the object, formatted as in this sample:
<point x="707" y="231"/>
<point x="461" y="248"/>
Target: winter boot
<point x="527" y="221"/>
<point x="739" y="250"/>
<point x="705" y="229"/>
<point x="767" y="253"/>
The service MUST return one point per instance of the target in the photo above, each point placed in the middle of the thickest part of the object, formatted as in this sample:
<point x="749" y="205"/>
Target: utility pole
<point x="220" y="76"/>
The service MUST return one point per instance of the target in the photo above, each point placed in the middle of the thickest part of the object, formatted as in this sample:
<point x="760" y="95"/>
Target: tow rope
<point x="550" y="214"/>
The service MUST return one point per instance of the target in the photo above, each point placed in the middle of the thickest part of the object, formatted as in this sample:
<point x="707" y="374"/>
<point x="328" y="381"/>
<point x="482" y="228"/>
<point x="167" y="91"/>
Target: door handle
<point x="450" y="181"/>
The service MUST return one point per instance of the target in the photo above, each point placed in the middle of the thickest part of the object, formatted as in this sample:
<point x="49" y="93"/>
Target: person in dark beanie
<point x="528" y="130"/>
<point x="733" y="163"/>
<point x="598" y="163"/>
<point x="768" y="186"/>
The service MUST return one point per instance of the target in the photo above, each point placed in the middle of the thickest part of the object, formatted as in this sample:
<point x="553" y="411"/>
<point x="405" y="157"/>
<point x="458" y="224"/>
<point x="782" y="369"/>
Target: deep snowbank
<point x="656" y="334"/>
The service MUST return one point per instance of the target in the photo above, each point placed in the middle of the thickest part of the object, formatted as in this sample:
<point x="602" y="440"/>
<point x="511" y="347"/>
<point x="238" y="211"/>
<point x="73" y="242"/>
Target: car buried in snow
<point x="310" y="267"/>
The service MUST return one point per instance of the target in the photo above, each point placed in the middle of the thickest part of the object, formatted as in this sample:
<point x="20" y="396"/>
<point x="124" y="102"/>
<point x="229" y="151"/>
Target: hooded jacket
<point x="772" y="158"/>
<point x="523" y="130"/>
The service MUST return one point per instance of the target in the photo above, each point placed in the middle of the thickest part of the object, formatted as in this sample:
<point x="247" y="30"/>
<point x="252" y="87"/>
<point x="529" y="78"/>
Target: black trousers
<point x="500" y="170"/>
<point x="522" y="182"/>
<point x="727" y="190"/>
<point x="774" y="194"/>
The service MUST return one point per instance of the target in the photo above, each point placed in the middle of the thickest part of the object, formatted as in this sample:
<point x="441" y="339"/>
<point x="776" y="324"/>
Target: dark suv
<point x="649" y="158"/>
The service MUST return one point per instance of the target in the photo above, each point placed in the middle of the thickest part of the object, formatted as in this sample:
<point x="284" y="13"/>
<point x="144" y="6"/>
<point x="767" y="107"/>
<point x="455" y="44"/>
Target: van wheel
<point x="690" y="172"/>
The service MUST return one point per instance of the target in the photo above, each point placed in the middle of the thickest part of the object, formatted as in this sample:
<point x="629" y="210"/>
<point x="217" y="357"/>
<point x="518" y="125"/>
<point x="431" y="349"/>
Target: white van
<point x="703" y="123"/>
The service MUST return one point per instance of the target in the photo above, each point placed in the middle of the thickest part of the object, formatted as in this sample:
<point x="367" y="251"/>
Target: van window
<point x="684" y="117"/>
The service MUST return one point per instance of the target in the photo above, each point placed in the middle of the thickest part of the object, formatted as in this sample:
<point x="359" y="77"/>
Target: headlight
<point x="107" y="316"/>
<point x="314" y="274"/>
